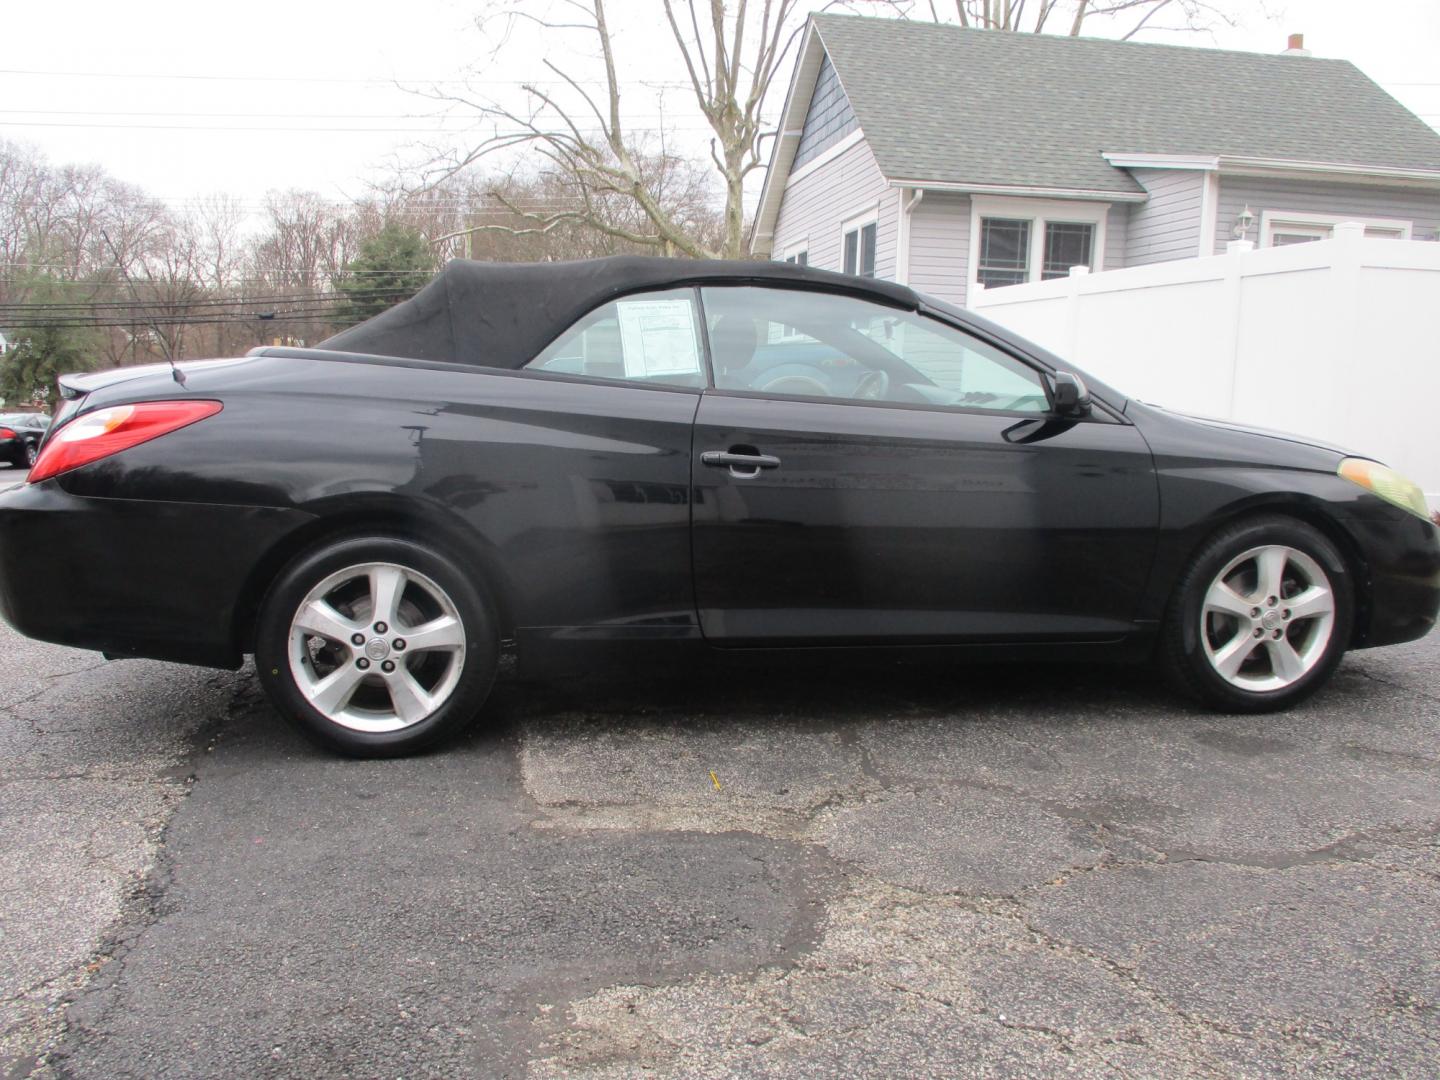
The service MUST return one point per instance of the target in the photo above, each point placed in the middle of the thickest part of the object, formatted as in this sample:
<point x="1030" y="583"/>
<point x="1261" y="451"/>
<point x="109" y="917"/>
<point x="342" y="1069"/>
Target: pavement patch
<point x="329" y="917"/>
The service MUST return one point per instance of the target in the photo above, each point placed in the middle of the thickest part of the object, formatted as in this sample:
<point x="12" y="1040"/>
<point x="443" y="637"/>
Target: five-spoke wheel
<point x="376" y="645"/>
<point x="1267" y="617"/>
<point x="1261" y="617"/>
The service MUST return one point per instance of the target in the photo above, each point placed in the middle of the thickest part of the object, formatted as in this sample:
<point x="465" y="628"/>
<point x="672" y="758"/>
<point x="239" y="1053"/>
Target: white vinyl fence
<point x="1338" y="339"/>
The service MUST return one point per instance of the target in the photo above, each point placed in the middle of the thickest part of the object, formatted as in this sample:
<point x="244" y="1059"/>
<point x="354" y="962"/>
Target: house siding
<point x="1260" y="194"/>
<point x="940" y="246"/>
<point x="816" y="206"/>
<point x="1167" y="225"/>
<point x="829" y="120"/>
<point x="1117" y="238"/>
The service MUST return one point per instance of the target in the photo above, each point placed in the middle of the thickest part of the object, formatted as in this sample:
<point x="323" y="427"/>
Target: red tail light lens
<point x="6" y="433"/>
<point x="99" y="434"/>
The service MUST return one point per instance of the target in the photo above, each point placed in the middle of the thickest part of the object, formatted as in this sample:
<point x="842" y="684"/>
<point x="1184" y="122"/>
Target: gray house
<point x="939" y="156"/>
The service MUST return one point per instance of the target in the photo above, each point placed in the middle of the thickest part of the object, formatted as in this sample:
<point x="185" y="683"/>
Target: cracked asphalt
<point x="852" y="871"/>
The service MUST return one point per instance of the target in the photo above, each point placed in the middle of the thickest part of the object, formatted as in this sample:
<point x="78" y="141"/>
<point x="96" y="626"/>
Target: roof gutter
<point x="1236" y="165"/>
<point x="1011" y="189"/>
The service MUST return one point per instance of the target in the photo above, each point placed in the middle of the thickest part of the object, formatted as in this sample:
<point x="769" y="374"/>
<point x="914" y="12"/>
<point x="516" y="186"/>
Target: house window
<point x="860" y="249"/>
<point x="1280" y="228"/>
<point x="1004" y="251"/>
<point x="1285" y="235"/>
<point x="1018" y="240"/>
<point x="1005" y="255"/>
<point x="1067" y="244"/>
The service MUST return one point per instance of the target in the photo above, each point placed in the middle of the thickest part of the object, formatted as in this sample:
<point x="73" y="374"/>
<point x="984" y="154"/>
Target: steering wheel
<point x="873" y="385"/>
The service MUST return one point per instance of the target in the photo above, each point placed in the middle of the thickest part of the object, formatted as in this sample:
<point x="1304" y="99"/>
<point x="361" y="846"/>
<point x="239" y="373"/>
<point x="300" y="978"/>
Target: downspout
<point x="902" y="254"/>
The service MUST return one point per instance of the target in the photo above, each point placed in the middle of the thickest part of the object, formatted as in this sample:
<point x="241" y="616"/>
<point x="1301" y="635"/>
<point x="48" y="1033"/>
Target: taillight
<point x="99" y="434"/>
<point x="6" y="433"/>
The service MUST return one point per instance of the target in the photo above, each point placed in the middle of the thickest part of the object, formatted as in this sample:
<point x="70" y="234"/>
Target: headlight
<point x="1387" y="483"/>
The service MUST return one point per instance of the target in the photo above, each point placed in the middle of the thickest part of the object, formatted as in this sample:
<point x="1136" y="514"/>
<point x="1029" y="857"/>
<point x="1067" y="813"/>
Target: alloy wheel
<point x="377" y="647"/>
<point x="1267" y="618"/>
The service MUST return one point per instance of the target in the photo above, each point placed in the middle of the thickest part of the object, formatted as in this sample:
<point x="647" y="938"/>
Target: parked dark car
<point x="625" y="460"/>
<point x="20" y="437"/>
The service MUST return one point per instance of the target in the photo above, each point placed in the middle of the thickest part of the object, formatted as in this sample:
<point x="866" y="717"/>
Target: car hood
<point x="1268" y="433"/>
<point x="1206" y="439"/>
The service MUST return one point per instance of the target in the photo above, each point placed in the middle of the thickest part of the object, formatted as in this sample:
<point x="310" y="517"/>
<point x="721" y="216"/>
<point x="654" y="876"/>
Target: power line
<point x="236" y="115"/>
<point x="333" y="130"/>
<point x="201" y="299"/>
<point x="267" y="115"/>
<point x="23" y="313"/>
<point x="307" y="315"/>
<point x="211" y="128"/>
<point x="429" y="80"/>
<point x="394" y="80"/>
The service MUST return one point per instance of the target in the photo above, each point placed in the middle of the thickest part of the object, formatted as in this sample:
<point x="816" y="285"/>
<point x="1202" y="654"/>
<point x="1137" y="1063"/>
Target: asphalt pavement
<point x="852" y="871"/>
<point x="11" y="476"/>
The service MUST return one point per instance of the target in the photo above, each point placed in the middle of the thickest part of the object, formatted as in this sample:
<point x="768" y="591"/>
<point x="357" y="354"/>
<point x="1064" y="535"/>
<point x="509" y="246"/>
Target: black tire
<point x="1184" y="655"/>
<point x="273" y="644"/>
<point x="32" y="451"/>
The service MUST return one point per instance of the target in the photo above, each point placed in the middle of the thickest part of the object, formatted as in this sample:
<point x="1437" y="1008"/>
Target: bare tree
<point x="617" y="181"/>
<point x="625" y="181"/>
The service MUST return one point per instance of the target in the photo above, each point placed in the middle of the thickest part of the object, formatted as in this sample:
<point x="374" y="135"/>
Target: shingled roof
<point x="949" y="104"/>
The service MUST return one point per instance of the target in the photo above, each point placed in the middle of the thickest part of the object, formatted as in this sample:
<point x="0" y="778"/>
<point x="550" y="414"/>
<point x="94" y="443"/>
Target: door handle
<point x="739" y="464"/>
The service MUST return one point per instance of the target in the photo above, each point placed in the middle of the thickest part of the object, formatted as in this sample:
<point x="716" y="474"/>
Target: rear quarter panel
<point x="569" y="498"/>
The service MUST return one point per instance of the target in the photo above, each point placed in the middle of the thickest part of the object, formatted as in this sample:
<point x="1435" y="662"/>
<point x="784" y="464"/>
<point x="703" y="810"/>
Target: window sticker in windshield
<point x="658" y="337"/>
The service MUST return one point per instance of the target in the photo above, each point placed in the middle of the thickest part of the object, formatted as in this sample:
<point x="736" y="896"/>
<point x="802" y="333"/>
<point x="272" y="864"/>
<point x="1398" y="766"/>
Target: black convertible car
<point x="629" y="456"/>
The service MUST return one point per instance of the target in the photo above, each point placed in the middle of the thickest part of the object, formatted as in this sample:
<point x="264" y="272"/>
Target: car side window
<point x="647" y="338"/>
<point x="790" y="342"/>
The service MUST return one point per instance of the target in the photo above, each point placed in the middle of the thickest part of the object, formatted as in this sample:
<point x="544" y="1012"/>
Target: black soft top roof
<point x="503" y="314"/>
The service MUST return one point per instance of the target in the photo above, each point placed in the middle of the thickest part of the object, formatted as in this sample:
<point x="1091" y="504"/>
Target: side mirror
<point x="1072" y="397"/>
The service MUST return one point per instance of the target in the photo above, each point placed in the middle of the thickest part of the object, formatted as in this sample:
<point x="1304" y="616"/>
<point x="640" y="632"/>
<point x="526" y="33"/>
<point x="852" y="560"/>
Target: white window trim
<point x="1038" y="212"/>
<point x="854" y="224"/>
<point x="791" y="250"/>
<point x="1301" y="221"/>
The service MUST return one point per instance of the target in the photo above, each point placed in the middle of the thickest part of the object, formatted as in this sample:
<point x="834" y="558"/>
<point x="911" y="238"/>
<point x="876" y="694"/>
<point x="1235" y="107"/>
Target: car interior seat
<point x="733" y="340"/>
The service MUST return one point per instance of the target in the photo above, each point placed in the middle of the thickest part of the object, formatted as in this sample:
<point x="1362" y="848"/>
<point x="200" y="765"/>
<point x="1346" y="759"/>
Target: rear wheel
<point x="376" y="646"/>
<point x="1262" y="617"/>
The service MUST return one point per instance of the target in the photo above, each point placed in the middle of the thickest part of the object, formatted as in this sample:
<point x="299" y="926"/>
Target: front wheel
<point x="1261" y="618"/>
<point x="376" y="646"/>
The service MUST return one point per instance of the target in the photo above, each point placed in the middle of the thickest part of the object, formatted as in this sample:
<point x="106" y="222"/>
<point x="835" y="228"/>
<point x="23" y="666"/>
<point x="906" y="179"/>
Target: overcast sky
<point x="186" y="98"/>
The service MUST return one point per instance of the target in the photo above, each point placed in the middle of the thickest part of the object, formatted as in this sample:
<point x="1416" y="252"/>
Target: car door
<point x="864" y="474"/>
<point x="575" y="469"/>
